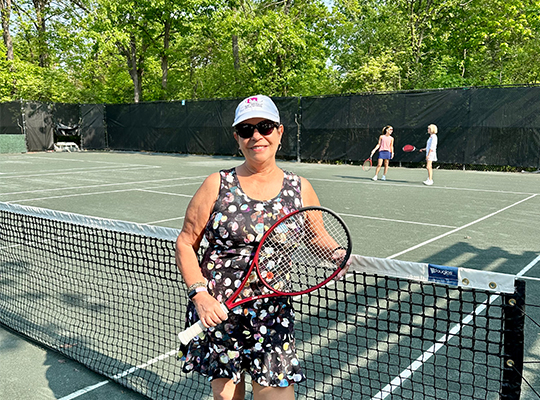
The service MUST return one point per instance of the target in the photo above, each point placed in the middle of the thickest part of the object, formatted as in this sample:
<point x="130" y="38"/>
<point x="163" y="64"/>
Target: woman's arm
<point x="309" y="197"/>
<point x="197" y="214"/>
<point x="187" y="244"/>
<point x="376" y="147"/>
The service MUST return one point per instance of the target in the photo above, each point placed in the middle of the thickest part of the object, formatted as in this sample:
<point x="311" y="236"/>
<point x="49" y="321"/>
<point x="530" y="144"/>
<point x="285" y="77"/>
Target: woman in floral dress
<point x="232" y="209"/>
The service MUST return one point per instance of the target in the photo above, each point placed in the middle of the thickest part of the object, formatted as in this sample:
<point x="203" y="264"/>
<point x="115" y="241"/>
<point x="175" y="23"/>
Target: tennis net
<point x="108" y="294"/>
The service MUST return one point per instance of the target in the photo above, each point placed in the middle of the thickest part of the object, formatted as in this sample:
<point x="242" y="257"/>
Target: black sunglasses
<point x="265" y="128"/>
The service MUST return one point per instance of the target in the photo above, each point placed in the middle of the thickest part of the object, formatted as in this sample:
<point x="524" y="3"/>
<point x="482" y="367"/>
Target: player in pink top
<point x="386" y="151"/>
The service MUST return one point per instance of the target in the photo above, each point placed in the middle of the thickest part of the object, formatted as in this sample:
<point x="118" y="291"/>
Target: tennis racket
<point x="301" y="252"/>
<point x="366" y="166"/>
<point x="409" y="148"/>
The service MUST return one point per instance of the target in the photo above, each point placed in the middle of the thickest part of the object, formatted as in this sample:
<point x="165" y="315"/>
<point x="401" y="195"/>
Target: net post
<point x="514" y="324"/>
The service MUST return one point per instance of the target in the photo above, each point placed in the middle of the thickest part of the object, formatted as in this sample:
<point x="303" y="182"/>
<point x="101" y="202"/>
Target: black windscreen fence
<point x="499" y="126"/>
<point x="38" y="126"/>
<point x="10" y="118"/>
<point x="197" y="127"/>
<point x="92" y="127"/>
<point x="482" y="126"/>
<point x="45" y="124"/>
<point x="65" y="119"/>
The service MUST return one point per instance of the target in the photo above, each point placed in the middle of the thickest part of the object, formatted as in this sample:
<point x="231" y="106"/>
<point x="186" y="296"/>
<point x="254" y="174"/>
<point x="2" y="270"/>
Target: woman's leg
<point x="429" y="167"/>
<point x="225" y="389"/>
<point x="379" y="165"/>
<point x="272" y="393"/>
<point x="386" y="162"/>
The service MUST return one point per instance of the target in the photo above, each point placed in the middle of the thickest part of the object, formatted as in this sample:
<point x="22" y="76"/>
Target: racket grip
<point x="188" y="334"/>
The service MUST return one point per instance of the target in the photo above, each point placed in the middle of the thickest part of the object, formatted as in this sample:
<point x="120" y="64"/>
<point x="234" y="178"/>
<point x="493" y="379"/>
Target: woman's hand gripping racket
<point x="300" y="253"/>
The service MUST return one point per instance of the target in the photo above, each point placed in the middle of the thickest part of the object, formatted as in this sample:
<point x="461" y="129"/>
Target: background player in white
<point x="431" y="152"/>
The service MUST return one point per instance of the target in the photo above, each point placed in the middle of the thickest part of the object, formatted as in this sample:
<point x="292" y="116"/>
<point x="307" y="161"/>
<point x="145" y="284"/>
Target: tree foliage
<point x="111" y="51"/>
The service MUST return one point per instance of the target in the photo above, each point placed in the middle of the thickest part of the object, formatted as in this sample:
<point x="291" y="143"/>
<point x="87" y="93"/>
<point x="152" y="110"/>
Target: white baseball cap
<point x="258" y="106"/>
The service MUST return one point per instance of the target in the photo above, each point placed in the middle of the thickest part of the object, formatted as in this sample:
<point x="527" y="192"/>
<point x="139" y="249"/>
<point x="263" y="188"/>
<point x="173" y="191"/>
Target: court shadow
<point x="494" y="259"/>
<point x="67" y="376"/>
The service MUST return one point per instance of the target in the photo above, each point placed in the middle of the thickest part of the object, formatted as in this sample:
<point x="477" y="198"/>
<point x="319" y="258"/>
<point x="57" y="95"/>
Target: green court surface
<point x="12" y="144"/>
<point x="480" y="220"/>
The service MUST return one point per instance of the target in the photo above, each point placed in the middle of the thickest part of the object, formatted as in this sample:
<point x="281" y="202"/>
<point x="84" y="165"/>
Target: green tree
<point x="434" y="43"/>
<point x="273" y="48"/>
<point x="110" y="51"/>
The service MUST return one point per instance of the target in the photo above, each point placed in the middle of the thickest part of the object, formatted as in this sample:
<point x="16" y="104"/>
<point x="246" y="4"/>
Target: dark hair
<point x="385" y="129"/>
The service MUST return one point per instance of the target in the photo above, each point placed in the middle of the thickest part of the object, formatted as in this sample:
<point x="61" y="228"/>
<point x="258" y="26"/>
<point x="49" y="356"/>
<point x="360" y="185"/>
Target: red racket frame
<point x="189" y="333"/>
<point x="231" y="303"/>
<point x="410" y="148"/>
<point x="370" y="164"/>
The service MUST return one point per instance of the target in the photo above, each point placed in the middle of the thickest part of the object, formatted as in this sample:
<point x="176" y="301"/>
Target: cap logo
<point x="252" y="103"/>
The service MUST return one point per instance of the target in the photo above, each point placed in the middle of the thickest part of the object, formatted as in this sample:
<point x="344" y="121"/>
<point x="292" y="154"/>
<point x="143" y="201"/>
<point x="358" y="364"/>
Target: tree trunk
<point x="40" y="6"/>
<point x="165" y="55"/>
<point x="130" y="55"/>
<point x="134" y="71"/>
<point x="235" y="51"/>
<point x="5" y="13"/>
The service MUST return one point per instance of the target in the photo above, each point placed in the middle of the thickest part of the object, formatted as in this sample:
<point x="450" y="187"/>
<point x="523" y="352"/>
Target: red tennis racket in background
<point x="366" y="166"/>
<point x="301" y="252"/>
<point x="409" y="148"/>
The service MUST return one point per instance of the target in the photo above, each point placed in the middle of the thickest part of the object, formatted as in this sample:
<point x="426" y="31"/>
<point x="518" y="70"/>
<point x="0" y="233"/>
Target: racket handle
<point x="188" y="334"/>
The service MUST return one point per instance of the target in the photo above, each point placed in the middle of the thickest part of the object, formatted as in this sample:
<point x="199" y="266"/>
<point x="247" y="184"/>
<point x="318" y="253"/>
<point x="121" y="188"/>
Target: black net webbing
<point x="112" y="298"/>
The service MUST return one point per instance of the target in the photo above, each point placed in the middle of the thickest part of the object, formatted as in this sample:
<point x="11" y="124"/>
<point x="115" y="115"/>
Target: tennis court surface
<point x="86" y="268"/>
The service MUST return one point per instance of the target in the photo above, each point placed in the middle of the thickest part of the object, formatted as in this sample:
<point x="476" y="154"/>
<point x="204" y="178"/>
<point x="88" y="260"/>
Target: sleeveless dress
<point x="257" y="337"/>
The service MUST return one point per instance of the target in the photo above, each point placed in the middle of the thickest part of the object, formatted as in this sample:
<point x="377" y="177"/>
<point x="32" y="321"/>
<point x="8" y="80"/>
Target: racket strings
<point x="366" y="166"/>
<point x="304" y="251"/>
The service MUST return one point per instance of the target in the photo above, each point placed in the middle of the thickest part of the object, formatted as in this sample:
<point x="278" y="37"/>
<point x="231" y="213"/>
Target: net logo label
<point x="443" y="274"/>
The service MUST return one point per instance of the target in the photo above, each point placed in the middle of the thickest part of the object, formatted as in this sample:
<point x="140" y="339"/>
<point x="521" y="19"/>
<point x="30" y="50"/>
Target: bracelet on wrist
<point x="196" y="285"/>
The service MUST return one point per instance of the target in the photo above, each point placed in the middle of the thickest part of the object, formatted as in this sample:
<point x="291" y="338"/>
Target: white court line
<point x="163" y="220"/>
<point x="461" y="227"/>
<point x="82" y="194"/>
<point x="421" y="186"/>
<point x="153" y="181"/>
<point x="407" y="372"/>
<point x="528" y="267"/>
<point x="118" y="376"/>
<point x="65" y="196"/>
<point x="168" y="194"/>
<point x="89" y="161"/>
<point x="530" y="278"/>
<point x="396" y="220"/>
<point x="79" y="171"/>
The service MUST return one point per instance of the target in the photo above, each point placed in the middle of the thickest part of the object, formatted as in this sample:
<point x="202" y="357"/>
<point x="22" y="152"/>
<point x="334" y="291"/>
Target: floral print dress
<point x="257" y="337"/>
